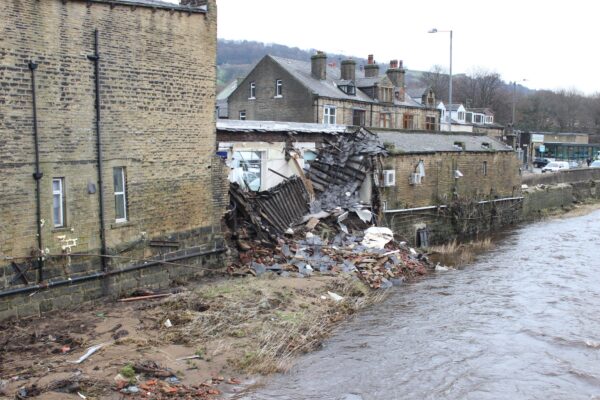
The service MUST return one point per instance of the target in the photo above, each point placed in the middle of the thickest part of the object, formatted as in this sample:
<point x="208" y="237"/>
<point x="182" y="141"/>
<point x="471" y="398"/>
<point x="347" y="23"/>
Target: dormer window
<point x="485" y="145"/>
<point x="386" y="94"/>
<point x="459" y="146"/>
<point x="348" y="88"/>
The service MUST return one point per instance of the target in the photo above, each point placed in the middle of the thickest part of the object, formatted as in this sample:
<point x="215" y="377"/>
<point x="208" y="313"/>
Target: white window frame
<point x="242" y="115"/>
<point x="121" y="193"/>
<point x="329" y="114"/>
<point x="252" y="91"/>
<point x="61" y="197"/>
<point x="278" y="88"/>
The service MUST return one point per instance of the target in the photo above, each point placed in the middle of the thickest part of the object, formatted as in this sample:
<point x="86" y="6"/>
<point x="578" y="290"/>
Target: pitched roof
<point x="417" y="93"/>
<point x="439" y="142"/>
<point x="301" y="70"/>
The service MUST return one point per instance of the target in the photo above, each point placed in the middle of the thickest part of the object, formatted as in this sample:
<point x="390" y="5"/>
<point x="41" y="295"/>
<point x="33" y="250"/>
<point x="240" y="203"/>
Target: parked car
<point x="595" y="164"/>
<point x="555" y="166"/>
<point x="540" y="162"/>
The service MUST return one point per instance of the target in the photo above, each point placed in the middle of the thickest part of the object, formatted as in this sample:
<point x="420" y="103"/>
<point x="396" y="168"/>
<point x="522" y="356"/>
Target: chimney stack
<point x="396" y="74"/>
<point x="371" y="69"/>
<point x="319" y="65"/>
<point x="349" y="70"/>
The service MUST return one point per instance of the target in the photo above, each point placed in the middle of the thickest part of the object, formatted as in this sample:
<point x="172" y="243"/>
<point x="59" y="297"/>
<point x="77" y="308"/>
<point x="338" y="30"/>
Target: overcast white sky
<point x="553" y="44"/>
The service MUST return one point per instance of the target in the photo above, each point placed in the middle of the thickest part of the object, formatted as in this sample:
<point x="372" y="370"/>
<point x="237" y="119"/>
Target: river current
<point x="522" y="322"/>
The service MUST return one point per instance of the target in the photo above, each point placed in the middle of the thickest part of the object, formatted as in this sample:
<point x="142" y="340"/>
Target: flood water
<point x="522" y="322"/>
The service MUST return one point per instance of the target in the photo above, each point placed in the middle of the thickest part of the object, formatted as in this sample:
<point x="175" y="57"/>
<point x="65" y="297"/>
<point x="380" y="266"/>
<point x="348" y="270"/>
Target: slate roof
<point x="438" y="142"/>
<point x="324" y="88"/>
<point x="417" y="93"/>
<point x="153" y="4"/>
<point x="301" y="70"/>
<point x="232" y="125"/>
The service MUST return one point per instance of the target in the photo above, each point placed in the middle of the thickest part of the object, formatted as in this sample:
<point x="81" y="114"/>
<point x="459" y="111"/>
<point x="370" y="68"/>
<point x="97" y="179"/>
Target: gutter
<point x="133" y="3"/>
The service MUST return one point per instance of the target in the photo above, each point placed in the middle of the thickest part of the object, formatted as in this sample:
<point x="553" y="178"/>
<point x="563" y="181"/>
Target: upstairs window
<point x="329" y="115"/>
<point x="484" y="169"/>
<point x="278" y="88"/>
<point x="408" y="121"/>
<point x="120" y="194"/>
<point x="58" y="202"/>
<point x="385" y="120"/>
<point x="386" y="94"/>
<point x="430" y="123"/>
<point x="358" y="117"/>
<point x="252" y="90"/>
<point x="461" y="116"/>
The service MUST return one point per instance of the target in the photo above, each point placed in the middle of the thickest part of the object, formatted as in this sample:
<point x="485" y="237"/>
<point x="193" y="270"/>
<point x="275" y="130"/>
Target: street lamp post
<point x="434" y="30"/>
<point x="517" y="134"/>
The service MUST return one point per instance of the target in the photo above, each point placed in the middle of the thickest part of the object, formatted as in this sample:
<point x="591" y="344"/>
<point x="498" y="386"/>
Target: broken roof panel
<point x="439" y="142"/>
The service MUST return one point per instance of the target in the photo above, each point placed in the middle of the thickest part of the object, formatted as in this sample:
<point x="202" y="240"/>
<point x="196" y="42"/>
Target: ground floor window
<point x="58" y="202"/>
<point x="120" y="183"/>
<point x="247" y="166"/>
<point x="385" y="120"/>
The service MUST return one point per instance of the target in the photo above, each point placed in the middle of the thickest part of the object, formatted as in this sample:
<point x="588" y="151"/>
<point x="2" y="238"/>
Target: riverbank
<point x="206" y="341"/>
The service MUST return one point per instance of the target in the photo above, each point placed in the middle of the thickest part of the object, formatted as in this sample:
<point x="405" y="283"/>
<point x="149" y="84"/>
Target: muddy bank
<point x="204" y="341"/>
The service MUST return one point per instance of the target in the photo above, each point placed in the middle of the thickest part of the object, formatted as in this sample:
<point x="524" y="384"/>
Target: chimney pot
<point x="394" y="64"/>
<point x="370" y="60"/>
<point x="371" y="69"/>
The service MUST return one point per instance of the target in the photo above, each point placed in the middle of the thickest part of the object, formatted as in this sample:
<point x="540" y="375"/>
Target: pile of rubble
<point x="371" y="254"/>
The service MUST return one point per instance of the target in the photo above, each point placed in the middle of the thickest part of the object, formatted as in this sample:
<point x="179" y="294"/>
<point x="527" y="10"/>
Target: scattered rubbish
<point x="312" y="223"/>
<point x="441" y="268"/>
<point x="377" y="237"/>
<point x="152" y="369"/>
<point x="130" y="390"/>
<point x="412" y="251"/>
<point x="365" y="215"/>
<point x="65" y="349"/>
<point x="147" y="297"/>
<point x="173" y="380"/>
<point x="189" y="357"/>
<point x="81" y="395"/>
<point x="88" y="353"/>
<point x="233" y="381"/>
<point x="289" y="231"/>
<point x="335" y="297"/>
<point x="119" y="334"/>
<point x="168" y="323"/>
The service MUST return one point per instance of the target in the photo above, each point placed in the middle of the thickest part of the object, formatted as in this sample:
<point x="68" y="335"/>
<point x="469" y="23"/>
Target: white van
<point x="555" y="166"/>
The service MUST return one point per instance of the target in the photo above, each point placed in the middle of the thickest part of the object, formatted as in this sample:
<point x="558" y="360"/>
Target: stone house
<point x="95" y="199"/>
<point x="280" y="89"/>
<point x="434" y="172"/>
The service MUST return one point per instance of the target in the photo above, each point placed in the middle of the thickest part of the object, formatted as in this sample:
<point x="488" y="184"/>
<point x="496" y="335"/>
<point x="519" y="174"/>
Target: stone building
<point x="117" y="188"/>
<point x="280" y="89"/>
<point x="437" y="177"/>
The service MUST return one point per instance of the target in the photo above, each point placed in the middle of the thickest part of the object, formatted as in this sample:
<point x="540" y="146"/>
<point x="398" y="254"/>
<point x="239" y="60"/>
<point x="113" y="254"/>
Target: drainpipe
<point x="37" y="176"/>
<point x="96" y="59"/>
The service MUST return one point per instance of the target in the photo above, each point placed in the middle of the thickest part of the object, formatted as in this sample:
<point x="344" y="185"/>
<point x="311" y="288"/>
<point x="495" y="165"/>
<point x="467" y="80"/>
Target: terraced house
<point x="280" y="89"/>
<point x="107" y="148"/>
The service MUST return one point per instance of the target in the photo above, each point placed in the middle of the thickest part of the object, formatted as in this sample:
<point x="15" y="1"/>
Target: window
<point x="247" y="166"/>
<point x="386" y="94"/>
<point x="478" y="118"/>
<point x="58" y="202"/>
<point x="243" y="115"/>
<point x="329" y="115"/>
<point x="430" y="123"/>
<point x="408" y="121"/>
<point x="252" y="90"/>
<point x="385" y="120"/>
<point x="120" y="194"/>
<point x="484" y="168"/>
<point x="358" y="117"/>
<point x="461" y="116"/>
<point x="278" y="88"/>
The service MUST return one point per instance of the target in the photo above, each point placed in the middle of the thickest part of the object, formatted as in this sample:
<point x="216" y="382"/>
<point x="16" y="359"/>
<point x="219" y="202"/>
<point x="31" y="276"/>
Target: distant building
<point x="280" y="89"/>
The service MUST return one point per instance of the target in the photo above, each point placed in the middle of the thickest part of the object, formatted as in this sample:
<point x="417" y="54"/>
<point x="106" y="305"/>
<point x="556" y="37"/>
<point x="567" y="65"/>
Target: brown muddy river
<point x="522" y="322"/>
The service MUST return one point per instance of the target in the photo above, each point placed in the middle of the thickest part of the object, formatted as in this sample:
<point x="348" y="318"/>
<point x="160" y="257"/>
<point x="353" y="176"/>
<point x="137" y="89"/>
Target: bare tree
<point x="437" y="79"/>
